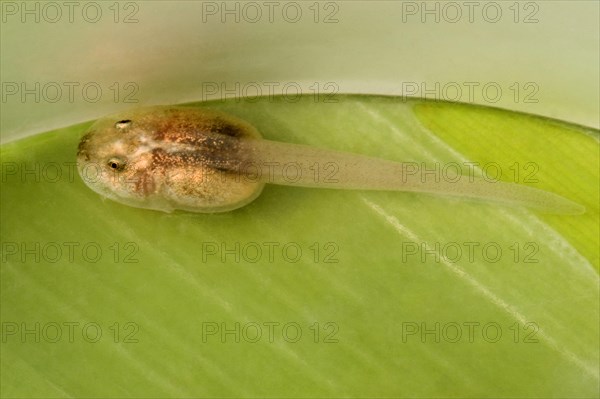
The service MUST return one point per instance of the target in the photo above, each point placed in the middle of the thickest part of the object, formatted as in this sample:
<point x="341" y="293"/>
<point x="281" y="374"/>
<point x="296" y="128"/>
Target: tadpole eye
<point x="116" y="164"/>
<point x="122" y="124"/>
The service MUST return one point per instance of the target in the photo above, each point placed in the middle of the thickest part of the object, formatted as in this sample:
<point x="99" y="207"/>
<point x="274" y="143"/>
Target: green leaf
<point x="395" y="294"/>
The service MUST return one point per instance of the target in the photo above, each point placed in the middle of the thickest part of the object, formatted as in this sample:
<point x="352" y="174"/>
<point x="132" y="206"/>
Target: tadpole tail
<point x="306" y="166"/>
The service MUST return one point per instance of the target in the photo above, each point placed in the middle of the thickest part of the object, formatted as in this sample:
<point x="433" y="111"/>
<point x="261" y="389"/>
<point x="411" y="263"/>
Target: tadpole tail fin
<point x="306" y="166"/>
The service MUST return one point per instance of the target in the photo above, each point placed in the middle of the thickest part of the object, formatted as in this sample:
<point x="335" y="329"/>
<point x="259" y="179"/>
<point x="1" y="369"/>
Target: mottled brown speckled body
<point x="168" y="158"/>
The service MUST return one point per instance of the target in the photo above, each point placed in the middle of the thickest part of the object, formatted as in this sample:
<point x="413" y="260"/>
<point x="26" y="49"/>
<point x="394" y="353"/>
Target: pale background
<point x="180" y="51"/>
